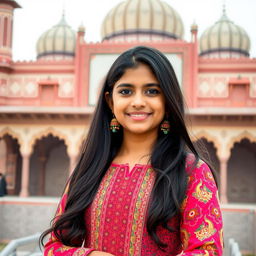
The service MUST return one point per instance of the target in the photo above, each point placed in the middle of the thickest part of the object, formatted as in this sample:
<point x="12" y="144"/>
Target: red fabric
<point x="54" y="247"/>
<point x="117" y="217"/>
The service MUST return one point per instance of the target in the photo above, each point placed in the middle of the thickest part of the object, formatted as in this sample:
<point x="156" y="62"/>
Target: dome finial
<point x="194" y="26"/>
<point x="224" y="7"/>
<point x="63" y="17"/>
<point x="81" y="27"/>
<point x="224" y="11"/>
<point x="63" y="8"/>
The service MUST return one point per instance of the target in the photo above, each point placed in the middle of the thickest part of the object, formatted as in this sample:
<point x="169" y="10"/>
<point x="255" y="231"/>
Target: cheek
<point x="160" y="106"/>
<point x="119" y="104"/>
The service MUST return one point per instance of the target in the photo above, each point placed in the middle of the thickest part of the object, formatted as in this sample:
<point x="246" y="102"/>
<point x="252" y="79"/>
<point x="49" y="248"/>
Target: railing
<point x="233" y="248"/>
<point x="11" y="248"/>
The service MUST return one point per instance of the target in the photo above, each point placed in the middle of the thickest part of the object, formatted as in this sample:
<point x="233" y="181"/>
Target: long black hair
<point x="101" y="146"/>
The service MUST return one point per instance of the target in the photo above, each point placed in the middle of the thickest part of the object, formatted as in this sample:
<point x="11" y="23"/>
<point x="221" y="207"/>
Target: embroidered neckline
<point x="127" y="164"/>
<point x="130" y="170"/>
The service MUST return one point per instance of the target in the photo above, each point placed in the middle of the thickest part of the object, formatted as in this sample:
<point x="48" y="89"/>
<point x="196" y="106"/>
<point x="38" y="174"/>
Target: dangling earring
<point x="165" y="126"/>
<point x="114" y="125"/>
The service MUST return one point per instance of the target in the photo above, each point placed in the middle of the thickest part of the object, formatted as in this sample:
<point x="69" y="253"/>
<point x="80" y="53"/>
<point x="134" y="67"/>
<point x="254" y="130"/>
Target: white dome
<point x="57" y="42"/>
<point x="142" y="18"/>
<point x="224" y="39"/>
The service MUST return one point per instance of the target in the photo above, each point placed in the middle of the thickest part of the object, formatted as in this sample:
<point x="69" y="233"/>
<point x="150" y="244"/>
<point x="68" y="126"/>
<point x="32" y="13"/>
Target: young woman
<point x="136" y="189"/>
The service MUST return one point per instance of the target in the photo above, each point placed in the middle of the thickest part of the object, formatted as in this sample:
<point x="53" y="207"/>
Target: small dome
<point x="58" y="42"/>
<point x="224" y="39"/>
<point x="148" y="19"/>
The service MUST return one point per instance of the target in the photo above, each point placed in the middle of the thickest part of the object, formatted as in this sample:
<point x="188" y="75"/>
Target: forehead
<point x="142" y="72"/>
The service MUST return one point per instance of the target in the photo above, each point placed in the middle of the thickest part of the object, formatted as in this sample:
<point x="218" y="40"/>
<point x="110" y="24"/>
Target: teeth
<point x="138" y="115"/>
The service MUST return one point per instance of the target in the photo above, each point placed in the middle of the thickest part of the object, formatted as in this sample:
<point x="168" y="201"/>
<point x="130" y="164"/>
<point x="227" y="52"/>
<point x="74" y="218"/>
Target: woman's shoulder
<point x="196" y="167"/>
<point x="199" y="172"/>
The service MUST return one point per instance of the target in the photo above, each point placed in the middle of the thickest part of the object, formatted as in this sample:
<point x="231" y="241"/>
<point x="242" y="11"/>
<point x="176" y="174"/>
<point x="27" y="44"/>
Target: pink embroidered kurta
<point x="116" y="219"/>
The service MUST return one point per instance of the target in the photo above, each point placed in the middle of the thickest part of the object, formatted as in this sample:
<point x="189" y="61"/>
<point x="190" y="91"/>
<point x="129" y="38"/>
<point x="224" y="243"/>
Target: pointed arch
<point x="209" y="138"/>
<point x="10" y="132"/>
<point x="45" y="133"/>
<point x="243" y="135"/>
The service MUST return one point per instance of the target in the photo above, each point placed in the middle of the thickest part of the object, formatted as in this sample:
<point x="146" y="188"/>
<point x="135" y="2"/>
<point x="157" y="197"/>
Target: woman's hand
<point x="99" y="253"/>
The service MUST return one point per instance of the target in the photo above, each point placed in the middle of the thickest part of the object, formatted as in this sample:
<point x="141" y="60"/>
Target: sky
<point x="37" y="16"/>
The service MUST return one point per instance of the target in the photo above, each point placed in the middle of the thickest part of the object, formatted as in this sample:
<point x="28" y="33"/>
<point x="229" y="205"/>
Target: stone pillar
<point x="72" y="163"/>
<point x="25" y="176"/>
<point x="3" y="155"/>
<point x="41" y="187"/>
<point x="11" y="169"/>
<point x="223" y="179"/>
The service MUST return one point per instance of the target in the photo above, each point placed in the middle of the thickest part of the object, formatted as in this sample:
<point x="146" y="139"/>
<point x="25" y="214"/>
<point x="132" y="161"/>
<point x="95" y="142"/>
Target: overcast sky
<point x="37" y="16"/>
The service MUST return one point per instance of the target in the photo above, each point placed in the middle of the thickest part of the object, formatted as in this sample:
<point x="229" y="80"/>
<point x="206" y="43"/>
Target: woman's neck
<point x="136" y="148"/>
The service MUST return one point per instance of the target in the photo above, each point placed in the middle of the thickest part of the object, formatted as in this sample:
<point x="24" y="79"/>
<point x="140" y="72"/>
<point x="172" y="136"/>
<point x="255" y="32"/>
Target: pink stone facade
<point x="45" y="104"/>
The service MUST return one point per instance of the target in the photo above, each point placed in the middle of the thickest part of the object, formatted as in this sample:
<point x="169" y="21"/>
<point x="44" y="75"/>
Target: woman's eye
<point x="125" y="92"/>
<point x="152" y="91"/>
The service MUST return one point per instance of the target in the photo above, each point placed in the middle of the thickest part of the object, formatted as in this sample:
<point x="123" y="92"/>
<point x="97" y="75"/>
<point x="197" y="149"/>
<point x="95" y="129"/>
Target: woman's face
<point x="137" y="101"/>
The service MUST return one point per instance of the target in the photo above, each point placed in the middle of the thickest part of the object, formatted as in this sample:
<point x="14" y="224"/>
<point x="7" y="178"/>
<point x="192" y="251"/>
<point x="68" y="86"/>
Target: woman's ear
<point x="109" y="100"/>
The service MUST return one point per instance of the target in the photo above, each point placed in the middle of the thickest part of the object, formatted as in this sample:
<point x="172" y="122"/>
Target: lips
<point x="138" y="115"/>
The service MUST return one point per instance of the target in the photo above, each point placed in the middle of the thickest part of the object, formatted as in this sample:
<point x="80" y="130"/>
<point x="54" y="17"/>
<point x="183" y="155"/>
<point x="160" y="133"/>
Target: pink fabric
<point x="117" y="217"/>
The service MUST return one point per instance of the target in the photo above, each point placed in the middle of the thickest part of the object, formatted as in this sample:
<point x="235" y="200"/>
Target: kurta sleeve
<point x="55" y="247"/>
<point x="201" y="220"/>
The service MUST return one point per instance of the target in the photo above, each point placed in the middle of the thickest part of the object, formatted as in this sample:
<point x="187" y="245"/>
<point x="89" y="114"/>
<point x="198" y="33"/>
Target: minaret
<point x="6" y="27"/>
<point x="194" y="30"/>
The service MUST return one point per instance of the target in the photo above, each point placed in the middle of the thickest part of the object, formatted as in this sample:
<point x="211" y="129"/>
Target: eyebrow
<point x="131" y="85"/>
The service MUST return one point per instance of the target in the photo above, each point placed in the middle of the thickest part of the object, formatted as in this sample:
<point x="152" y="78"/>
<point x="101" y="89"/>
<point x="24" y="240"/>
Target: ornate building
<point x="46" y="105"/>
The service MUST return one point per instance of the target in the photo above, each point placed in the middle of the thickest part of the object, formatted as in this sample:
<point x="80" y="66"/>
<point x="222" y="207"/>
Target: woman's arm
<point x="201" y="223"/>
<point x="55" y="247"/>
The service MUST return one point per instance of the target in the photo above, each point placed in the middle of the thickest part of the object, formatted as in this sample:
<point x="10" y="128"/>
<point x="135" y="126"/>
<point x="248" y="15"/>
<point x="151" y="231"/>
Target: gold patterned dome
<point x="57" y="42"/>
<point x="133" y="19"/>
<point x="224" y="39"/>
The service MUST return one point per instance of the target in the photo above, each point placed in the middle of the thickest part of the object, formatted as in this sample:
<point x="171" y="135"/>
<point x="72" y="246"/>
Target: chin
<point x="141" y="130"/>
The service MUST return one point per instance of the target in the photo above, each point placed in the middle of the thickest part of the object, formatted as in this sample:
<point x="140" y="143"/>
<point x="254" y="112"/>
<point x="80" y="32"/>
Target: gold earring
<point x="114" y="125"/>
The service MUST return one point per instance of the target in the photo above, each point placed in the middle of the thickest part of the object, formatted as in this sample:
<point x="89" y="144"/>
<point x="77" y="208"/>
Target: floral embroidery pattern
<point x="63" y="248"/>
<point x="209" y="176"/>
<point x="192" y="215"/>
<point x="139" y="212"/>
<point x="80" y="252"/>
<point x="97" y="207"/>
<point x="209" y="246"/>
<point x="202" y="194"/>
<point x="204" y="231"/>
<point x="215" y="212"/>
<point x="50" y="252"/>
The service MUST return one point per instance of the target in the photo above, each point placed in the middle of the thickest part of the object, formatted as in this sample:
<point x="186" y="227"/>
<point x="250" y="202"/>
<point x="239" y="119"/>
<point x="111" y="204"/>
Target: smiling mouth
<point x="139" y="116"/>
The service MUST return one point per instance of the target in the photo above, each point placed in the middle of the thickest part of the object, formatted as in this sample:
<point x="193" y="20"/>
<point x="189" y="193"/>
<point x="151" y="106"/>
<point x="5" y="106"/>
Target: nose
<point x="138" y="101"/>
